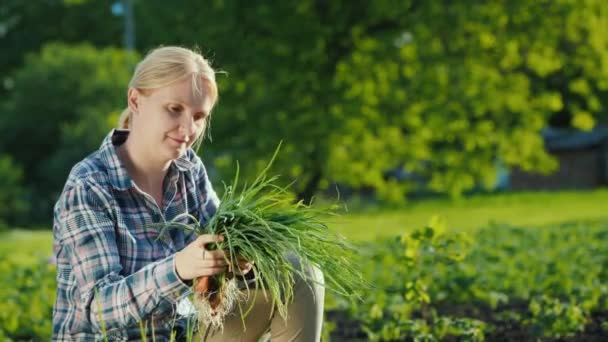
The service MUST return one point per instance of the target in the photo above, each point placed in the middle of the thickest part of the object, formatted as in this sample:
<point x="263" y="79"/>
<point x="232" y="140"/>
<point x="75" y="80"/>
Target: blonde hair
<point x="166" y="65"/>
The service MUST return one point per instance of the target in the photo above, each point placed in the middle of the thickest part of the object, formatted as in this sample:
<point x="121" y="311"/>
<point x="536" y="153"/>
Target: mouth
<point x="179" y="141"/>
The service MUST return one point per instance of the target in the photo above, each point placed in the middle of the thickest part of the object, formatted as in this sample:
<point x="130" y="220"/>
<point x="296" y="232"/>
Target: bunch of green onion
<point x="262" y="223"/>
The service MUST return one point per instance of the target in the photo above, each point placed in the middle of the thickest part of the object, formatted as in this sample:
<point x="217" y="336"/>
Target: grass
<point x="25" y="246"/>
<point x="467" y="214"/>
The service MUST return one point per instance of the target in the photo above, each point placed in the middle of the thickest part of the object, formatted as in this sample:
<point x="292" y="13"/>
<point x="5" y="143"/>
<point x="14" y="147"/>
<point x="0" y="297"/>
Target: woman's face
<point x="169" y="120"/>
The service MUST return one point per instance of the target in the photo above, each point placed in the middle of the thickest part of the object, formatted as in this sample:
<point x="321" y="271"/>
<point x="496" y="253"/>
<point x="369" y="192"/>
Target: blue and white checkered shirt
<point x="111" y="267"/>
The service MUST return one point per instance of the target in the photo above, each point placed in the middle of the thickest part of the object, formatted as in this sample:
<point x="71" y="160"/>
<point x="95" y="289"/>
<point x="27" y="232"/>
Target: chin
<point x="174" y="152"/>
<point x="177" y="153"/>
<point x="172" y="155"/>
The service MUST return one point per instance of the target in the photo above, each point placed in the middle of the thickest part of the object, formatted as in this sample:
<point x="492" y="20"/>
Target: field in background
<point x="519" y="209"/>
<point x="25" y="245"/>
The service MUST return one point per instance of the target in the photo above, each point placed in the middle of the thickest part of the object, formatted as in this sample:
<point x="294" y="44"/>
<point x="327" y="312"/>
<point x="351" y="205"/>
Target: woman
<point x="114" y="271"/>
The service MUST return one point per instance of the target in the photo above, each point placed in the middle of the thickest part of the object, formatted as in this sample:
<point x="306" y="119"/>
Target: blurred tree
<point x="64" y="101"/>
<point x="27" y="25"/>
<point x="444" y="89"/>
<point x="354" y="89"/>
<point x="464" y="85"/>
<point x="13" y="196"/>
<point x="281" y="63"/>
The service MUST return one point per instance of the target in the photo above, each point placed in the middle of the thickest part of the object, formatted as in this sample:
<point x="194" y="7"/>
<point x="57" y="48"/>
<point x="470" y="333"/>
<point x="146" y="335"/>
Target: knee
<point x="307" y="276"/>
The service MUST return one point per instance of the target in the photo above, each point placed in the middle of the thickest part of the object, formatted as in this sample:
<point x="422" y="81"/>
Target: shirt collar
<point x="184" y="163"/>
<point x="119" y="177"/>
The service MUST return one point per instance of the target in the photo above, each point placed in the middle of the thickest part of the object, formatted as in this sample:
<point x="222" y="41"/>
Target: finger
<point x="204" y="239"/>
<point x="217" y="254"/>
<point x="213" y="263"/>
<point x="205" y="272"/>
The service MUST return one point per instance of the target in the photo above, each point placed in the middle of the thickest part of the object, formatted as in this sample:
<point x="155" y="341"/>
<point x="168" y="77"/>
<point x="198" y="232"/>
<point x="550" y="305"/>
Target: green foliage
<point x="28" y="301"/>
<point x="27" y="294"/>
<point x="12" y="199"/>
<point x="536" y="282"/>
<point x="25" y="26"/>
<point x="64" y="100"/>
<point x="554" y="318"/>
<point x="403" y="270"/>
<point x="459" y="85"/>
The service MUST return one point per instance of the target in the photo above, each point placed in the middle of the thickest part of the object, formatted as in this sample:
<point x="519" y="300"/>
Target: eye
<point x="199" y="116"/>
<point x="174" y="110"/>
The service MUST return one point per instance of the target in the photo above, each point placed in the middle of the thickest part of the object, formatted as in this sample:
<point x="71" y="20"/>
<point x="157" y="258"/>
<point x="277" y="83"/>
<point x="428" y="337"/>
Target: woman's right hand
<point x="195" y="261"/>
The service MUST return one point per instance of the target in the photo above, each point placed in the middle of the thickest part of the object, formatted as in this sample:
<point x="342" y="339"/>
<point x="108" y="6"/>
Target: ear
<point x="133" y="100"/>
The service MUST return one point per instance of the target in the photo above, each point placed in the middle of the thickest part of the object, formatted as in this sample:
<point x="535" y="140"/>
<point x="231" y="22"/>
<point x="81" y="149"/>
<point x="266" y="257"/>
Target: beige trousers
<point x="303" y="324"/>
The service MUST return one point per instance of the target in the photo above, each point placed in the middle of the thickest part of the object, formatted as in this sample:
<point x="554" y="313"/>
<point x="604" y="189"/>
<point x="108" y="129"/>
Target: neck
<point x="145" y="171"/>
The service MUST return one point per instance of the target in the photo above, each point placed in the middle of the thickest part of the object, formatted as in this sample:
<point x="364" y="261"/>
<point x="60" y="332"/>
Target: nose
<point x="187" y="125"/>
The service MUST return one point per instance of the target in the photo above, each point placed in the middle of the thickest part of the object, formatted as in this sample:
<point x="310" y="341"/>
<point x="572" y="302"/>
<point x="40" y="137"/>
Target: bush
<point x="12" y="193"/>
<point x="64" y="100"/>
<point x="27" y="299"/>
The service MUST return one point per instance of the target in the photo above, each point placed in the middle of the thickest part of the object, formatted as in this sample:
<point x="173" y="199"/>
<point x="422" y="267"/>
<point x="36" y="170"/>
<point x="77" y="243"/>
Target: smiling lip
<point x="178" y="140"/>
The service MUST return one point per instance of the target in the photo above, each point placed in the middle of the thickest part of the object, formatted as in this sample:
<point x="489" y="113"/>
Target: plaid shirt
<point x="110" y="264"/>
